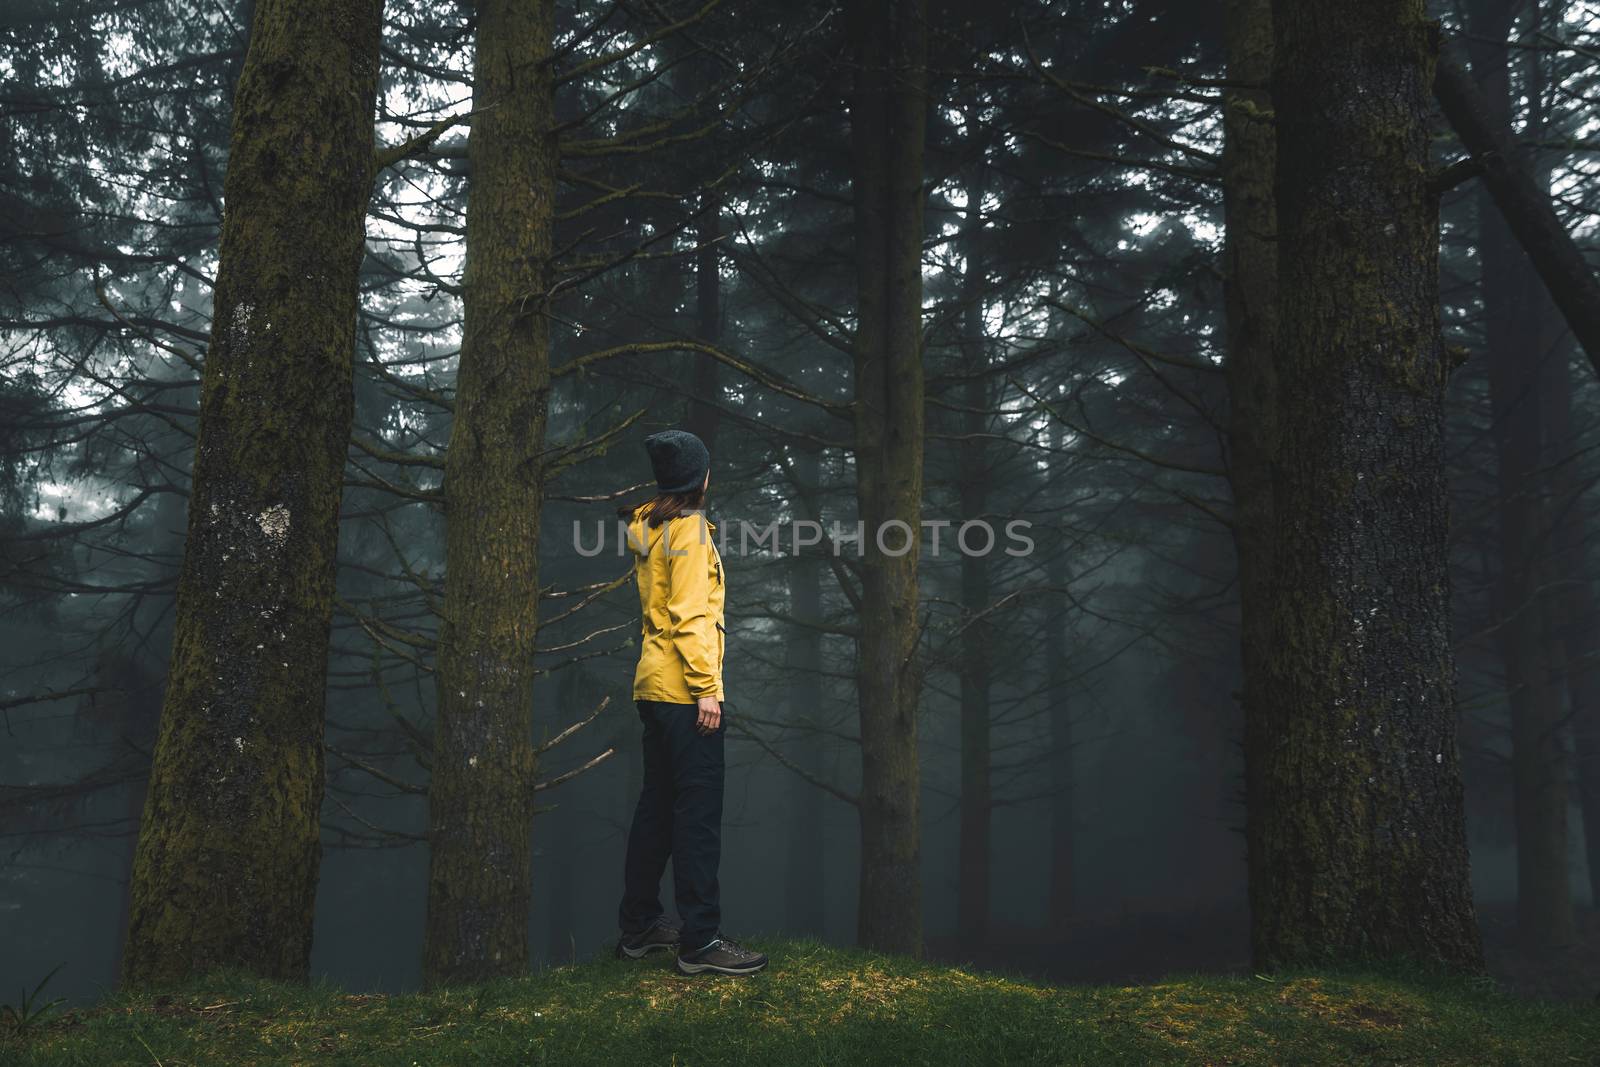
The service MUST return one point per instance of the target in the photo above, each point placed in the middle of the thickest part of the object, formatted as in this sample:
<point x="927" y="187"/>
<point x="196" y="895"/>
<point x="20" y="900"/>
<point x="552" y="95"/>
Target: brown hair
<point x="664" y="506"/>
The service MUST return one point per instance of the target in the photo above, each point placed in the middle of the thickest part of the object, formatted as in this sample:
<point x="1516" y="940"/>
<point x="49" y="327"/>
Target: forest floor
<point x="1141" y="947"/>
<point x="822" y="1005"/>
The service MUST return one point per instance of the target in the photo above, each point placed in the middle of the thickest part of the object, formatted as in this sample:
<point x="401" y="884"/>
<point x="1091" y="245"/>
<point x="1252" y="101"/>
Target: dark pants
<point x="679" y="815"/>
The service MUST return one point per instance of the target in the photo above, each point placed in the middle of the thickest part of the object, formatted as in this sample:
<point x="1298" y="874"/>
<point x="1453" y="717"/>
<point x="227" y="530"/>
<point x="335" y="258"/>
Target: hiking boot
<point x="723" y="956"/>
<point x="663" y="933"/>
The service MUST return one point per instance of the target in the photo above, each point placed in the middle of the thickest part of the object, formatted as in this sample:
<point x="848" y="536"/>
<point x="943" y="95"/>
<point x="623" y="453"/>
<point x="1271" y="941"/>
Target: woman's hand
<point x="710" y="715"/>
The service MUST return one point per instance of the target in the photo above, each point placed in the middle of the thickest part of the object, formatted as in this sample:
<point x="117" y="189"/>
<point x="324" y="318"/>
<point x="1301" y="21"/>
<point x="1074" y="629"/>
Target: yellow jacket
<point x="681" y="592"/>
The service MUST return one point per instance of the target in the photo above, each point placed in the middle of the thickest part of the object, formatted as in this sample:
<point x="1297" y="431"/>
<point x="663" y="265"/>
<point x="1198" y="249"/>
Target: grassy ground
<point x="823" y="1005"/>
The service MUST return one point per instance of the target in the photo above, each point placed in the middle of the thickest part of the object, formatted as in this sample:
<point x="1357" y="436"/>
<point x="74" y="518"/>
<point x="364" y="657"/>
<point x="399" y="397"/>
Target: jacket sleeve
<point x="693" y="630"/>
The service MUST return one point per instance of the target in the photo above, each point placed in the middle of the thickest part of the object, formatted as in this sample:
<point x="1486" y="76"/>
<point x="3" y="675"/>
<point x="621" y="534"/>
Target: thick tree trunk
<point x="1526" y="207"/>
<point x="806" y="883"/>
<point x="1512" y="301"/>
<point x="480" y="799"/>
<point x="887" y="128"/>
<point x="226" y="867"/>
<point x="1355" y="829"/>
<point x="1250" y="289"/>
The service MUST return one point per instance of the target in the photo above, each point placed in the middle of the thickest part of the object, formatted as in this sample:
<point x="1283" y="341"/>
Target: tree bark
<point x="1356" y="839"/>
<point x="806" y="883"/>
<point x="1250" y="292"/>
<point x="1574" y="612"/>
<point x="1512" y="297"/>
<point x="972" y="465"/>
<point x="1524" y="205"/>
<point x="226" y="867"/>
<point x="480" y="796"/>
<point x="887" y="130"/>
<point x="1063" y="811"/>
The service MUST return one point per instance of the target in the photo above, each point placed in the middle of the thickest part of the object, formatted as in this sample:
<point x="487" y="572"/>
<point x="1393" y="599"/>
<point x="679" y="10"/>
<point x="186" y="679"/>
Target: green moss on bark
<point x="887" y="134"/>
<point x="1355" y="826"/>
<point x="480" y="807"/>
<point x="226" y="865"/>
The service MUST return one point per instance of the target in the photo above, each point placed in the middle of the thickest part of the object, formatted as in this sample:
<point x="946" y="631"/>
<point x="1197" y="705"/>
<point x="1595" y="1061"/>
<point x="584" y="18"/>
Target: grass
<point x="822" y="1005"/>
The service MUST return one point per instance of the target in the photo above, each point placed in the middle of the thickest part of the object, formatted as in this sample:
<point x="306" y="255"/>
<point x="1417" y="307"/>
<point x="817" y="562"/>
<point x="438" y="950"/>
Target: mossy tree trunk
<point x="480" y="795"/>
<point x="1250" y="285"/>
<point x="226" y="867"/>
<point x="1513" y="299"/>
<point x="1357" y="844"/>
<point x="887" y="131"/>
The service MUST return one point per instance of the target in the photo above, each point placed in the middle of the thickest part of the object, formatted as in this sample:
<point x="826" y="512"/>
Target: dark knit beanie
<point x="680" y="460"/>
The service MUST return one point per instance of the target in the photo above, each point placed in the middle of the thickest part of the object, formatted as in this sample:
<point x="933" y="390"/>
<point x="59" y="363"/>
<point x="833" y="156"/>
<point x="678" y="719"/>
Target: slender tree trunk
<point x="806" y="884"/>
<point x="1355" y="829"/>
<point x="1574" y="613"/>
<point x="480" y="799"/>
<point x="1512" y="300"/>
<point x="1063" y="815"/>
<point x="888" y="126"/>
<point x="972" y="462"/>
<point x="226" y="867"/>
<point x="1250" y="292"/>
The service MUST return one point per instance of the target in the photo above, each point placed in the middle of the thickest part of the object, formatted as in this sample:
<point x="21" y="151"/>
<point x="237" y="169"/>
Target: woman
<point x="677" y="687"/>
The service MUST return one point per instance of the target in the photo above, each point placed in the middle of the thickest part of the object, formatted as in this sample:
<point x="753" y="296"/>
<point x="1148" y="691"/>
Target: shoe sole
<point x="701" y="968"/>
<point x="640" y="953"/>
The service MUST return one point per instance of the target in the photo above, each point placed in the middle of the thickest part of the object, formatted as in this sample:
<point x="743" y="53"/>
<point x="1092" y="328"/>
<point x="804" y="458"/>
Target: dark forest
<point x="1152" y="454"/>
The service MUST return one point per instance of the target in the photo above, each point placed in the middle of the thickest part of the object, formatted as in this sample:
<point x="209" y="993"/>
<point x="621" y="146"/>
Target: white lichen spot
<point x="274" y="523"/>
<point x="240" y="326"/>
<point x="1438" y="757"/>
<point x="472" y="761"/>
<point x="238" y="743"/>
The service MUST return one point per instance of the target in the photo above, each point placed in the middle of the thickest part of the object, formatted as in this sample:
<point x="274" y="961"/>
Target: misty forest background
<point x="707" y="215"/>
